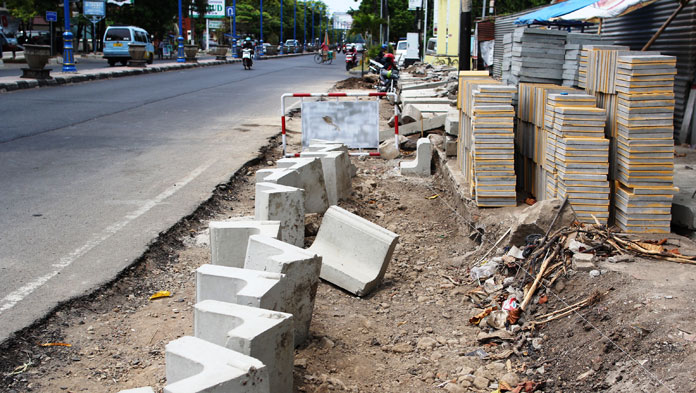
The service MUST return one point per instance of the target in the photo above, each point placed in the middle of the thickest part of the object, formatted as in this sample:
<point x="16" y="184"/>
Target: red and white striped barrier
<point x="337" y="95"/>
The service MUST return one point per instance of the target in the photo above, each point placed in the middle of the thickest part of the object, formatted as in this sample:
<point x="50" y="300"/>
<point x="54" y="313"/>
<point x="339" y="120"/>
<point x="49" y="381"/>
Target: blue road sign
<point x="51" y="16"/>
<point x="229" y="11"/>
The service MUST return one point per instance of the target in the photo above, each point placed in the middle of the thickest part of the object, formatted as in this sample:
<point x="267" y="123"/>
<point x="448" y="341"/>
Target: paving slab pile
<point x="538" y="56"/>
<point x="575" y="42"/>
<point x="255" y="301"/>
<point x="645" y="144"/>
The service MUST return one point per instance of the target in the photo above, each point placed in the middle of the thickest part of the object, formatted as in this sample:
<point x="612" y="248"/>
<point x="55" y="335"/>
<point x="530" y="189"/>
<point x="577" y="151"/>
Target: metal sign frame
<point x="302" y="96"/>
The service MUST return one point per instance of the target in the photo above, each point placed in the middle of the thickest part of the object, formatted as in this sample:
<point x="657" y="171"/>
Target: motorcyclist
<point x="390" y="69"/>
<point x="248" y="45"/>
<point x="380" y="56"/>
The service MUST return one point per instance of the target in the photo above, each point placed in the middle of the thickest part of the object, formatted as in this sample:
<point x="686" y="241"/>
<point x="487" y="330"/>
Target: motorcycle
<point x="388" y="81"/>
<point x="246" y="59"/>
<point x="351" y="60"/>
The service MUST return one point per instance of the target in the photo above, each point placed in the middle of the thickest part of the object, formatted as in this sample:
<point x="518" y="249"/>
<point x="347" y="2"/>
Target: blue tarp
<point x="555" y="10"/>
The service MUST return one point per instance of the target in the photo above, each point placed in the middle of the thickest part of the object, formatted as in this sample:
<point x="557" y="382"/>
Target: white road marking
<point x="19" y="294"/>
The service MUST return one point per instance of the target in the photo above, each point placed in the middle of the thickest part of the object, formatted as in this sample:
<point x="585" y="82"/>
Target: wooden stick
<point x="533" y="288"/>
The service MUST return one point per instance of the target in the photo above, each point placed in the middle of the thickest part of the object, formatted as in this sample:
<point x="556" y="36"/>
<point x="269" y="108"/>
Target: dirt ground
<point x="411" y="335"/>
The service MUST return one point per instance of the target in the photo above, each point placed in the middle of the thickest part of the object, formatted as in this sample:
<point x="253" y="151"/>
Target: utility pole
<point x="304" y="46"/>
<point x="180" y="40"/>
<point x="294" y="21"/>
<point x="465" y="36"/>
<point x="261" y="19"/>
<point x="281" y="27"/>
<point x="312" y="24"/>
<point x="381" y="15"/>
<point x="425" y="31"/>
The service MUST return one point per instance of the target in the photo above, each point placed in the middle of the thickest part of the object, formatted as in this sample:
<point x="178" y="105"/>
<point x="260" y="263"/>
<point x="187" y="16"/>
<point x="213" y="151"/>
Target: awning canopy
<point x="574" y="12"/>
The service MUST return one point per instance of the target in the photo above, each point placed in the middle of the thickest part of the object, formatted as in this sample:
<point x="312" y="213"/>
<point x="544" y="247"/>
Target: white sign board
<point x="215" y="9"/>
<point x="413" y="4"/>
<point x="353" y="123"/>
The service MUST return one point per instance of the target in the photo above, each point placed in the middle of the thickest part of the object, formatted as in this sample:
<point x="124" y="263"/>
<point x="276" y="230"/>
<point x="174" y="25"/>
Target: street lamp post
<point x="234" y="29"/>
<point x="312" y="24"/>
<point x="294" y="21"/>
<point x="68" y="55"/>
<point x="261" y="32"/>
<point x="180" y="40"/>
<point x="304" y="46"/>
<point x="281" y="27"/>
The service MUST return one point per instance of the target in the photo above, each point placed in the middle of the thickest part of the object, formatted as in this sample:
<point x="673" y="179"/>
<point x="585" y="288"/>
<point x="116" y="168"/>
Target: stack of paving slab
<point x="537" y="56"/>
<point x="534" y="137"/>
<point x="507" y="60"/>
<point x="645" y="144"/>
<point x="573" y="47"/>
<point x="255" y="300"/>
<point x="492" y="139"/>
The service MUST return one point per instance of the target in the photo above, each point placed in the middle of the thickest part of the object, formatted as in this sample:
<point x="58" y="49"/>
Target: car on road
<point x="431" y="46"/>
<point x="117" y="39"/>
<point x="292" y="46"/>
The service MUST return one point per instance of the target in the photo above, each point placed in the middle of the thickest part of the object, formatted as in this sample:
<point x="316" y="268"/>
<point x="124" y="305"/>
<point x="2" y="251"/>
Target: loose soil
<point x="411" y="335"/>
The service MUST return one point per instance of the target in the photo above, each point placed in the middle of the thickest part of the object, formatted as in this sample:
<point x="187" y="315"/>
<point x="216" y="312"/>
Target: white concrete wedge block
<point x="337" y="174"/>
<point x="355" y="252"/>
<point x="301" y="269"/>
<point x="262" y="334"/>
<point x="323" y="145"/>
<point x="284" y="204"/>
<point x="421" y="165"/>
<point x="138" y="390"/>
<point x="304" y="173"/>
<point x="241" y="286"/>
<point x="229" y="239"/>
<point x="197" y="366"/>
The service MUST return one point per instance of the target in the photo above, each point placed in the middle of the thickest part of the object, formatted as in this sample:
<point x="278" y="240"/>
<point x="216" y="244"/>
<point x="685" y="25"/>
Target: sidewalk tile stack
<point x="581" y="157"/>
<point x="645" y="144"/>
<point x="597" y="67"/>
<point x="507" y="60"/>
<point x="537" y="56"/>
<point x="493" y="152"/>
<point x="573" y="47"/>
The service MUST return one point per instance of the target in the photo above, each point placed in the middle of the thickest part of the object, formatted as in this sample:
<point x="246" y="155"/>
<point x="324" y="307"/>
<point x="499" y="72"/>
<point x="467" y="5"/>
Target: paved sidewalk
<point x="11" y="83"/>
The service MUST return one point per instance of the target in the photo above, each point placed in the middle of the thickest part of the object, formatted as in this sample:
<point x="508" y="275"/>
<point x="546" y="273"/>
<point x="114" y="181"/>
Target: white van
<point x="117" y="39"/>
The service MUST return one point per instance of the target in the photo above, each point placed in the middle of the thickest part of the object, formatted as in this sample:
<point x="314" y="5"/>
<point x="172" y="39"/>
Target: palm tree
<point x="366" y="24"/>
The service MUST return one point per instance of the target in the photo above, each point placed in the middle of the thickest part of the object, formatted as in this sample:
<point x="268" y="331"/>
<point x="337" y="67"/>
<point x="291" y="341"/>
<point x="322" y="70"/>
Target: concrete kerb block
<point x="355" y="252"/>
<point x="325" y="146"/>
<point x="336" y="167"/>
<point x="261" y="334"/>
<point x="420" y="166"/>
<point x="228" y="239"/>
<point x="197" y="366"/>
<point x="301" y="269"/>
<point x="284" y="204"/>
<point x="241" y="286"/>
<point x="305" y="173"/>
<point x="138" y="390"/>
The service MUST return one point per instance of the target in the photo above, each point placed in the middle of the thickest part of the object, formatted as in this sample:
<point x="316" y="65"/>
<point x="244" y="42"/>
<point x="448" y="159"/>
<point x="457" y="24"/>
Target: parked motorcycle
<point x="351" y="60"/>
<point x="246" y="58"/>
<point x="388" y="81"/>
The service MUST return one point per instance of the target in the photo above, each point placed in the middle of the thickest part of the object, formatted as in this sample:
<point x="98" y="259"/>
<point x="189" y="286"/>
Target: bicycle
<point x="450" y="61"/>
<point x="319" y="58"/>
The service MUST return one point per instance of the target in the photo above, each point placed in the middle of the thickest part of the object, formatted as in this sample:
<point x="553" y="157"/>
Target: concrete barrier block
<point x="301" y="269"/>
<point x="229" y="239"/>
<point x="196" y="366"/>
<point x="420" y="166"/>
<point x="262" y="334"/>
<point x="304" y="173"/>
<point x="320" y="145"/>
<point x="336" y="167"/>
<point x="241" y="286"/>
<point x="138" y="390"/>
<point x="284" y="204"/>
<point x="355" y="252"/>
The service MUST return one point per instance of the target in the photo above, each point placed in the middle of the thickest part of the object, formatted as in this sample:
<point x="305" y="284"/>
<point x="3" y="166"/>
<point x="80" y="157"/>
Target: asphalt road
<point x="92" y="172"/>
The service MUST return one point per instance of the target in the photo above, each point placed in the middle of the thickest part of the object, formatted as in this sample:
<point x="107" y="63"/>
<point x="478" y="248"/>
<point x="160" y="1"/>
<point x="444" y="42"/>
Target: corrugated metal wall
<point x="678" y="39"/>
<point x="503" y="25"/>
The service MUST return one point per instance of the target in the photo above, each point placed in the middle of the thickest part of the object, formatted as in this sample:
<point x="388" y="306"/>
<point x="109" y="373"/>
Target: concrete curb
<point x="64" y="79"/>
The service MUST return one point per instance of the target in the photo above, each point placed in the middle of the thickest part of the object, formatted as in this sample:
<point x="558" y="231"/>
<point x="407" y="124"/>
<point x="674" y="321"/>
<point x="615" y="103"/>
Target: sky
<point x="341" y="5"/>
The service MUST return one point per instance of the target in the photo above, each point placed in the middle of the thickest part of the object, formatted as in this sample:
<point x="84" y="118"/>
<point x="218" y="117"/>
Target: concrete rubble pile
<point x="255" y="300"/>
<point x="428" y="95"/>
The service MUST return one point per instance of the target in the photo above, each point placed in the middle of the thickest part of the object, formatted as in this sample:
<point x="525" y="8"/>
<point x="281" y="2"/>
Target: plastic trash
<point x="484" y="271"/>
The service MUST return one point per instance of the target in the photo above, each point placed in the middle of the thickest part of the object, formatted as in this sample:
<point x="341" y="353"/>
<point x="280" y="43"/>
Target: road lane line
<point x="19" y="294"/>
